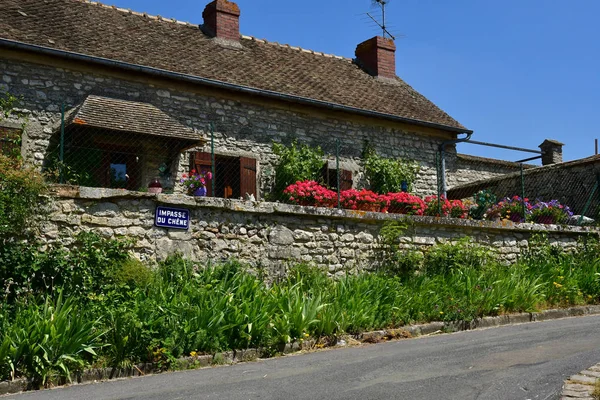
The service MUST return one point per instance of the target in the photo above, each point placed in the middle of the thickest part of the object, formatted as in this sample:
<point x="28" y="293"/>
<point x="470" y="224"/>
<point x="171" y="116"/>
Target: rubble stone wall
<point x="271" y="236"/>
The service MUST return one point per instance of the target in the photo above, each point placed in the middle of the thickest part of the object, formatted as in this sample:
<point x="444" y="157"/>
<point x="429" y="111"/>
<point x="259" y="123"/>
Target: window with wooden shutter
<point x="234" y="177"/>
<point x="248" y="177"/>
<point x="330" y="178"/>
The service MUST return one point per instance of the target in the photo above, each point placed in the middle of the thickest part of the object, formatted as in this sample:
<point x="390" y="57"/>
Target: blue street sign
<point x="173" y="218"/>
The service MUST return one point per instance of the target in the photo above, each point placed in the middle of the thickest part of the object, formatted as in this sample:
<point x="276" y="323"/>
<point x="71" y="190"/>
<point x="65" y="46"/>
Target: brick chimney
<point x="377" y="56"/>
<point x="222" y="20"/>
<point x="551" y="152"/>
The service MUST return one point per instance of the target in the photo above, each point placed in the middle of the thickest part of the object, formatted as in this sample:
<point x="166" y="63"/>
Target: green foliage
<point x="484" y="200"/>
<point x="297" y="162"/>
<point x="443" y="258"/>
<point x="182" y="307"/>
<point x="20" y="198"/>
<point x="85" y="267"/>
<point x="8" y="102"/>
<point x="394" y="261"/>
<point x="48" y="342"/>
<point x="386" y="175"/>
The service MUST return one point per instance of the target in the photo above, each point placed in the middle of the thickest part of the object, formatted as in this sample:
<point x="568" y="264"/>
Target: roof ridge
<point x="139" y="14"/>
<point x="176" y="21"/>
<point x="297" y="48"/>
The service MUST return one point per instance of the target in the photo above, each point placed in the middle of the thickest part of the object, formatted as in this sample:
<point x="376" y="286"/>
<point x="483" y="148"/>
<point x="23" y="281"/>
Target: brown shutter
<point x="248" y="177"/>
<point x="345" y="179"/>
<point x="202" y="161"/>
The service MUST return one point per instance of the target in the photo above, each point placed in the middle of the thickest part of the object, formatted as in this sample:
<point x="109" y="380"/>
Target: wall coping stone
<point x="261" y="207"/>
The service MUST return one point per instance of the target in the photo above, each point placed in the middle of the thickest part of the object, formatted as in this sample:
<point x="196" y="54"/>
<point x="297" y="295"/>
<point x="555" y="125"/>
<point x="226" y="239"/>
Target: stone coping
<point x="263" y="207"/>
<point x="582" y="386"/>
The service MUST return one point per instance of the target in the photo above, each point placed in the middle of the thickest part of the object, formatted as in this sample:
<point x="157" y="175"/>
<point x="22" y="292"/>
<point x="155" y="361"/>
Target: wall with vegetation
<point x="241" y="127"/>
<point x="271" y="235"/>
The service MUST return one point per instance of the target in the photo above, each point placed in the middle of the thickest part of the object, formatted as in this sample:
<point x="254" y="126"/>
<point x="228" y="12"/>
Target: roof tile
<point x="118" y="34"/>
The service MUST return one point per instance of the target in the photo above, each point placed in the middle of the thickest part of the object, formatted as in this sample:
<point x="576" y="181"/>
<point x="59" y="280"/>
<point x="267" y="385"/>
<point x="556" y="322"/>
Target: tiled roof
<point x="97" y="30"/>
<point x="129" y="116"/>
<point x="485" y="160"/>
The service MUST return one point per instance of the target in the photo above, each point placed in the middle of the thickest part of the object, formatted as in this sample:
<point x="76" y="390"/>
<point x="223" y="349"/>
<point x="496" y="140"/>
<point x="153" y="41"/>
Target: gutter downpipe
<point x="218" y="84"/>
<point x="443" y="158"/>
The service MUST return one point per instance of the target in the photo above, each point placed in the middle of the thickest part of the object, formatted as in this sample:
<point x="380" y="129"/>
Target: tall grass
<point x="183" y="307"/>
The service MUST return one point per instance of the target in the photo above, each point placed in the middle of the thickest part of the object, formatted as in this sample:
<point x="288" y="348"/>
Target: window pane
<point x="118" y="175"/>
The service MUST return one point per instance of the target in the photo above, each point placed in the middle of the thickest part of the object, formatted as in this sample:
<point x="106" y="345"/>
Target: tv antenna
<point x="382" y="4"/>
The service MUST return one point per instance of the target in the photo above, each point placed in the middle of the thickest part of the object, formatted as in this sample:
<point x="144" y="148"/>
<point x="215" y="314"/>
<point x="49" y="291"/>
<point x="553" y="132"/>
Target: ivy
<point x="385" y="175"/>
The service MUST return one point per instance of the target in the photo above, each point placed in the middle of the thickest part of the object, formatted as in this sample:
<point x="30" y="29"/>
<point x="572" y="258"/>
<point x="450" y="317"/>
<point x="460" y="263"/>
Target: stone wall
<point x="270" y="235"/>
<point x="241" y="127"/>
<point x="572" y="183"/>
<point x="464" y="169"/>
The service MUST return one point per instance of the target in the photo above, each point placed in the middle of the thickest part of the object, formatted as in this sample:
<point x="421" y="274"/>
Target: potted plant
<point x="514" y="209"/>
<point x="195" y="182"/>
<point x="551" y="212"/>
<point x="404" y="203"/>
<point x="310" y="193"/>
<point x="364" y="200"/>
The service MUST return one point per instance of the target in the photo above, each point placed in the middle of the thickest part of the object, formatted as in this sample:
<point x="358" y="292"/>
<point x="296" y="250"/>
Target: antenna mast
<point x="382" y="4"/>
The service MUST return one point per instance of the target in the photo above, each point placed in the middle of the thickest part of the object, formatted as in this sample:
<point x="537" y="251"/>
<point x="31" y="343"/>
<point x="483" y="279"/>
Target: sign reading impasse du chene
<point x="172" y="218"/>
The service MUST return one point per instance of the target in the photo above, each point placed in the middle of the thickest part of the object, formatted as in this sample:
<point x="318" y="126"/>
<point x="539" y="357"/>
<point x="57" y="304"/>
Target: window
<point x="329" y="175"/>
<point x="235" y="177"/>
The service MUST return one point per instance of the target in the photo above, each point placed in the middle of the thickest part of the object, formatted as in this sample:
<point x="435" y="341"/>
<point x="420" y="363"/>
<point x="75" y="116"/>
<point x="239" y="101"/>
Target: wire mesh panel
<point x="559" y="193"/>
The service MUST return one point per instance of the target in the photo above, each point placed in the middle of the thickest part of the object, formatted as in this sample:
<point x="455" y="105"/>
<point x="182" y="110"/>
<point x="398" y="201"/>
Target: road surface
<point x="528" y="361"/>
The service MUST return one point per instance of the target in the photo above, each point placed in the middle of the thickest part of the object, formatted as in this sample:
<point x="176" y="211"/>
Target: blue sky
<point x="515" y="72"/>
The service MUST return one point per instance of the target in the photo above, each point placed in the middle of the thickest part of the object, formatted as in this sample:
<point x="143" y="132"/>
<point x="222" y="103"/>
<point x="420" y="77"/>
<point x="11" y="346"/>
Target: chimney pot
<point x="551" y="152"/>
<point x="377" y="56"/>
<point x="222" y="20"/>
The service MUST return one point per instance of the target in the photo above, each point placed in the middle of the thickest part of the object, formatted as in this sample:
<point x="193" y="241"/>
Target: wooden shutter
<point x="345" y="179"/>
<point x="202" y="161"/>
<point x="248" y="177"/>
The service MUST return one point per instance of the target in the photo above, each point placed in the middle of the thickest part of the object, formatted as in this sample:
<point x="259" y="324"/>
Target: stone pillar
<point x="551" y="152"/>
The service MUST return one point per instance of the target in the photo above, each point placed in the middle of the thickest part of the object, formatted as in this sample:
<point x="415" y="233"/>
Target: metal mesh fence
<point x="93" y="149"/>
<point x="560" y="193"/>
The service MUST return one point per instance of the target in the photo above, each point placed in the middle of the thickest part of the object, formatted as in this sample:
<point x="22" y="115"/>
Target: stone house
<point x="142" y="93"/>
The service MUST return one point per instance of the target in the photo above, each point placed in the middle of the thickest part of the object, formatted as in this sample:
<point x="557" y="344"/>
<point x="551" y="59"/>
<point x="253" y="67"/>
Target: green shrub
<point x="386" y="175"/>
<point x="298" y="162"/>
<point x="20" y="194"/>
<point x="48" y="342"/>
<point x="83" y="268"/>
<point x="394" y="261"/>
<point x="445" y="258"/>
<point x="131" y="272"/>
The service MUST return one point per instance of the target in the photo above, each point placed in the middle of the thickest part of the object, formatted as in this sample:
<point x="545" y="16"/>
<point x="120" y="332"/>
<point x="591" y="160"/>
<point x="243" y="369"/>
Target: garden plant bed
<point x="96" y="375"/>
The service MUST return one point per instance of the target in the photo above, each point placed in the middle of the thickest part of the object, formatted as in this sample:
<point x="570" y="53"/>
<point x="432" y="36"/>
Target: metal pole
<point x="523" y="191"/>
<point x="62" y="143"/>
<point x="337" y="169"/>
<point x="440" y="179"/>
<point x="212" y="158"/>
<point x="596" y="146"/>
<point x="589" y="202"/>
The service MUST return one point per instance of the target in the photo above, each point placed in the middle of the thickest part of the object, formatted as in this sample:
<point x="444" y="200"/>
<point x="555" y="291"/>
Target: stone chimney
<point x="377" y="56"/>
<point x="222" y="20"/>
<point x="551" y="152"/>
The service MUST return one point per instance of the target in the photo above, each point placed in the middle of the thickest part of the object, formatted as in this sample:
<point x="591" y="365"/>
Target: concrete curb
<point x="485" y="322"/>
<point x="581" y="386"/>
<point x="232" y="357"/>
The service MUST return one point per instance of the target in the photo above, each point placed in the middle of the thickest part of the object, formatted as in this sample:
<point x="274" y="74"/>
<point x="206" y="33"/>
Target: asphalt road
<point x="528" y="361"/>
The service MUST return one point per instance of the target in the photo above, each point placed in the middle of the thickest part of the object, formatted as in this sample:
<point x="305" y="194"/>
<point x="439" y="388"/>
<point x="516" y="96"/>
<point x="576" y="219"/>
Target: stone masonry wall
<point x="270" y="235"/>
<point x="572" y="183"/>
<point x="241" y="128"/>
<point x="466" y="169"/>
